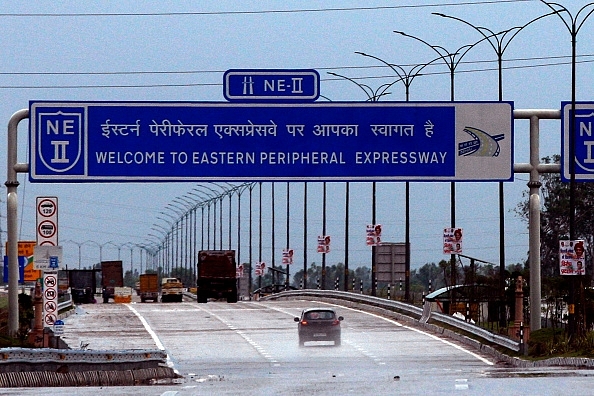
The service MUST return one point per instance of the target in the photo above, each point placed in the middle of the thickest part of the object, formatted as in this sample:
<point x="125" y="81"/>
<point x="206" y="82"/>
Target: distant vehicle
<point x="319" y="324"/>
<point x="217" y="275"/>
<point x="271" y="289"/>
<point x="172" y="290"/>
<point x="112" y="276"/>
<point x="82" y="286"/>
<point x="148" y="288"/>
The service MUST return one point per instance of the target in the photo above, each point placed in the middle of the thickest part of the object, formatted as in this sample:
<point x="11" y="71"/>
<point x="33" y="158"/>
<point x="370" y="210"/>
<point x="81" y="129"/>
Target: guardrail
<point x="420" y="316"/>
<point x="67" y="303"/>
<point x="12" y="356"/>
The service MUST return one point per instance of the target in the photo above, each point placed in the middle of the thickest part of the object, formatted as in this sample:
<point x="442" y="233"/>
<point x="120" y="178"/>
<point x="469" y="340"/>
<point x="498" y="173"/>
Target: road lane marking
<point x="261" y="350"/>
<point x="486" y="361"/>
<point x="154" y="336"/>
<point x="365" y="352"/>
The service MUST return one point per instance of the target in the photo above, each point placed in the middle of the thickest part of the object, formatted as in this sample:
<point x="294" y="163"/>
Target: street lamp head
<point x="168" y="215"/>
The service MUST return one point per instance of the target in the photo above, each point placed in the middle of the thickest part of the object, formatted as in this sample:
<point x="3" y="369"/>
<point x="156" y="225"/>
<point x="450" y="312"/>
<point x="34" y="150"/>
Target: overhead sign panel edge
<point x="329" y="141"/>
<point x="584" y="141"/>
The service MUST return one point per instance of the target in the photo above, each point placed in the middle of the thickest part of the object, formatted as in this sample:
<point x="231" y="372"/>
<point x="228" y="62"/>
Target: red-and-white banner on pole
<point x="324" y="244"/>
<point x="572" y="257"/>
<point x="452" y="240"/>
<point x="47" y="221"/>
<point x="287" y="256"/>
<point x="239" y="271"/>
<point x="260" y="267"/>
<point x="374" y="234"/>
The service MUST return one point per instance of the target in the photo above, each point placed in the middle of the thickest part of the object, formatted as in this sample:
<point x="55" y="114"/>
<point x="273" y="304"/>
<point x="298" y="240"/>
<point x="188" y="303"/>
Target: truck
<point x="216" y="275"/>
<point x="149" y="287"/>
<point x="112" y="276"/>
<point x="82" y="285"/>
<point x="172" y="290"/>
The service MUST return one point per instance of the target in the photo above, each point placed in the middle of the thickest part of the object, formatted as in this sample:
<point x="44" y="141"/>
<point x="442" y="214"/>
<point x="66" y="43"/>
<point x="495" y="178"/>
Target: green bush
<point x="543" y="342"/>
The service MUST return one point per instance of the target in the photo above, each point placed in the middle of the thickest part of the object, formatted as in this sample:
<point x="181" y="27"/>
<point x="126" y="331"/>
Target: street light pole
<point x="573" y="25"/>
<point x="273" y="236"/>
<point x="305" y="235"/>
<point x="324" y="236"/>
<point x="372" y="95"/>
<point x="288" y="241"/>
<point x="452" y="60"/>
<point x="260" y="232"/>
<point x="407" y="78"/>
<point x="499" y="42"/>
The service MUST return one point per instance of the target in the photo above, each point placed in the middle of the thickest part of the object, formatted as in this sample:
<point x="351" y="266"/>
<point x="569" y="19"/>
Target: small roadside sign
<point x="48" y="258"/>
<point x="59" y="327"/>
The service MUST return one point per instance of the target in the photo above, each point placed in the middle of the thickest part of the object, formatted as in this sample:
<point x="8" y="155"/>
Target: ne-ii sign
<point x="169" y="141"/>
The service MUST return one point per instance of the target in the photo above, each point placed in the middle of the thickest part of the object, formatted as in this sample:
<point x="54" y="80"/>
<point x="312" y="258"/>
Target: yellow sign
<point x="26" y="248"/>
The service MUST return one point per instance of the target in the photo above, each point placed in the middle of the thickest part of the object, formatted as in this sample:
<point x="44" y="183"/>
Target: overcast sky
<point x="178" y="51"/>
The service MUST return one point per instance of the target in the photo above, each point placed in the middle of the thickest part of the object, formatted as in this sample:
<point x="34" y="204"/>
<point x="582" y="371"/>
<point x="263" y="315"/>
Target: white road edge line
<point x="486" y="361"/>
<point x="153" y="336"/>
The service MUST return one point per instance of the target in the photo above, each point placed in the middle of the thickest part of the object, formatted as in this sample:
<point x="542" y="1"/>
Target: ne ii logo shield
<point x="59" y="141"/>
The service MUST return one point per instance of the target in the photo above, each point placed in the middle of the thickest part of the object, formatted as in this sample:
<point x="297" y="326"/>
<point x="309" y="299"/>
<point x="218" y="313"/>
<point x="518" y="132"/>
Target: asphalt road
<point x="251" y="348"/>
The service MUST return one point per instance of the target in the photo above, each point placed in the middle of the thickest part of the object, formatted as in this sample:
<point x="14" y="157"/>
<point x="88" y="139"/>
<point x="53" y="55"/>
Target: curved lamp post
<point x="175" y="227"/>
<point x="100" y="246"/>
<point x="452" y="60"/>
<point x="131" y="246"/>
<point x="373" y="95"/>
<point x="499" y="42"/>
<point x="79" y="244"/>
<point x="573" y="23"/>
<point x="202" y="203"/>
<point x="191" y="207"/>
<point x="169" y="240"/>
<point x="119" y="247"/>
<point x="182" y="242"/>
<point x="407" y="78"/>
<point x="213" y="195"/>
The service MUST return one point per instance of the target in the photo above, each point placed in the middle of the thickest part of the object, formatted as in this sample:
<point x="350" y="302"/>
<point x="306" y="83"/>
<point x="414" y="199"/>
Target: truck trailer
<point x="82" y="285"/>
<point x="112" y="276"/>
<point x="148" y="288"/>
<point x="216" y="275"/>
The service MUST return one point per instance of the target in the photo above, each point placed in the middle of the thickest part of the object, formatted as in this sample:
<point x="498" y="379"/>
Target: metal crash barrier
<point x="403" y="311"/>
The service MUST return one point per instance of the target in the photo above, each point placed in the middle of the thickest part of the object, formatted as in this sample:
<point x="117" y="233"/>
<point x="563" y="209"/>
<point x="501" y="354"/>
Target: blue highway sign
<point x="584" y="141"/>
<point x="22" y="264"/>
<point x="271" y="85"/>
<point x="167" y="141"/>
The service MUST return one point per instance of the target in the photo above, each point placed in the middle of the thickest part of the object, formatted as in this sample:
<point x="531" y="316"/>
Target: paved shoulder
<point x="105" y="327"/>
